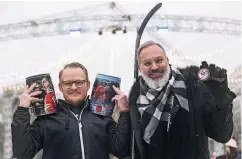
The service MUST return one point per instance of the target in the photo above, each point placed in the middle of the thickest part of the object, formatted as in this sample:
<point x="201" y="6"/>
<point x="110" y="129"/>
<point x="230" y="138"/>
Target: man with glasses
<point x="74" y="132"/>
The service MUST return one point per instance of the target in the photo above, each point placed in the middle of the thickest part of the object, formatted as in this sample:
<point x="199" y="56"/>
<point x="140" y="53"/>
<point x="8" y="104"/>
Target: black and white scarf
<point x="151" y="102"/>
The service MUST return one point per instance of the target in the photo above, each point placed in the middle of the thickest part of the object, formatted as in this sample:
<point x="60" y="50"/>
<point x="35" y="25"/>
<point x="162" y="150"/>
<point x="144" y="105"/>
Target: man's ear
<point x="88" y="85"/>
<point x="138" y="66"/>
<point x="60" y="87"/>
<point x="167" y="58"/>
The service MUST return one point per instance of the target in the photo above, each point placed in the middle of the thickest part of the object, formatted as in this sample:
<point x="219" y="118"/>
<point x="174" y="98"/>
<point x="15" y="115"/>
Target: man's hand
<point x="27" y="97"/>
<point x="121" y="100"/>
<point x="217" y="83"/>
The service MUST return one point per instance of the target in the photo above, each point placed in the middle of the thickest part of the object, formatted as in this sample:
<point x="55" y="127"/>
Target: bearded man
<point x="173" y="111"/>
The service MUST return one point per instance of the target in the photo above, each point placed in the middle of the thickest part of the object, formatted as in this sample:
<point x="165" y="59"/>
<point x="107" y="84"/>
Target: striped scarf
<point x="151" y="102"/>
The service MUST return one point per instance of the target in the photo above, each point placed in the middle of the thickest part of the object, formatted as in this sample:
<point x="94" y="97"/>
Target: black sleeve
<point x="120" y="136"/>
<point x="218" y="117"/>
<point x="27" y="139"/>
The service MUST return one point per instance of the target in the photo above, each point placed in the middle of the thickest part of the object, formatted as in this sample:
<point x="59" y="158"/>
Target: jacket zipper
<point x="168" y="123"/>
<point x="81" y="135"/>
<point x="80" y="131"/>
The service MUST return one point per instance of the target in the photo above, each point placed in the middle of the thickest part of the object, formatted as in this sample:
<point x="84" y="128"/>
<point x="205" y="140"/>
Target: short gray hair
<point x="146" y="44"/>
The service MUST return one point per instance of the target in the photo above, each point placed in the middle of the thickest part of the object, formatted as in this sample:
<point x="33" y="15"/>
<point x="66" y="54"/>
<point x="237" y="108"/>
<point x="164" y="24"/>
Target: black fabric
<point x="159" y="147"/>
<point x="76" y="109"/>
<point x="155" y="104"/>
<point x="101" y="135"/>
<point x="188" y="137"/>
<point x="179" y="137"/>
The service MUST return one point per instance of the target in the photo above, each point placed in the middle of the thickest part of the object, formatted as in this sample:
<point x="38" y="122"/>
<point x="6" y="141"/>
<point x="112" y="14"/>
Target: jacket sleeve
<point x="120" y="136"/>
<point x="218" y="117"/>
<point x="27" y="139"/>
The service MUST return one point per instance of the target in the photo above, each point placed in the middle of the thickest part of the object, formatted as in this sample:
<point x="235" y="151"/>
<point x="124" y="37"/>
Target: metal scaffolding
<point x="77" y="20"/>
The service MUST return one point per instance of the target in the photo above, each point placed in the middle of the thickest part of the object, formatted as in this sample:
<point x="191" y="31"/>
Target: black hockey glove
<point x="215" y="79"/>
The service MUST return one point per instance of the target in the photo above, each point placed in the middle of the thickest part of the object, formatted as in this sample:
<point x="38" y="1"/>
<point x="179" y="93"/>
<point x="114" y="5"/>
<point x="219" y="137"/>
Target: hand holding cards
<point x="120" y="100"/>
<point x="46" y="103"/>
<point x="102" y="101"/>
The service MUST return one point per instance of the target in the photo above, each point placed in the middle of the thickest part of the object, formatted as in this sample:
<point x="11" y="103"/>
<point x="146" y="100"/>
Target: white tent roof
<point x="110" y="54"/>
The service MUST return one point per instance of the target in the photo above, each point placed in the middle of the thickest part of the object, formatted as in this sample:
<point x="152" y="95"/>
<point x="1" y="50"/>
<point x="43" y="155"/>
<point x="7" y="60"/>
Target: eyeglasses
<point x="78" y="83"/>
<point x="148" y="64"/>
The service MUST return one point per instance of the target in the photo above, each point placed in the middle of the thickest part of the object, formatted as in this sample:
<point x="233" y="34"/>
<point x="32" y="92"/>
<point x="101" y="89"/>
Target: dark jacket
<point x="59" y="137"/>
<point x="189" y="131"/>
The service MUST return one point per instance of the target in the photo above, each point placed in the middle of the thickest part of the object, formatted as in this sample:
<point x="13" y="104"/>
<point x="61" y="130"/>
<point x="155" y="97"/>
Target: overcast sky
<point x="108" y="53"/>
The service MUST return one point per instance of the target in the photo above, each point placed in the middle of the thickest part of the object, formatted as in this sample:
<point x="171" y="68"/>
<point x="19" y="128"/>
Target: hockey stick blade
<point x="139" y="35"/>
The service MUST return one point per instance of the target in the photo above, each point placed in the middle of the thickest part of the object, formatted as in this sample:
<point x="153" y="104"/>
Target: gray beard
<point x="157" y="83"/>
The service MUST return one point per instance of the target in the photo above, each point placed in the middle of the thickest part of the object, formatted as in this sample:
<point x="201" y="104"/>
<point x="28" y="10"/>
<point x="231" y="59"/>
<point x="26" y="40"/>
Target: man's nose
<point x="154" y="66"/>
<point x="73" y="86"/>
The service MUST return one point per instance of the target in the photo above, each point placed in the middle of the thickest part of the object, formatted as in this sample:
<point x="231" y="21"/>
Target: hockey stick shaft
<point x="139" y="35"/>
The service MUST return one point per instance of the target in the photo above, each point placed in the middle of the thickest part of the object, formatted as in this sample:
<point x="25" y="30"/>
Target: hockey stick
<point x="140" y="32"/>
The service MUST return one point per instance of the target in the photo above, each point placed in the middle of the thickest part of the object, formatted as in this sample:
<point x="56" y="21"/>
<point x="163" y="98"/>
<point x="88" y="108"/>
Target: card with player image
<point x="102" y="94"/>
<point x="47" y="103"/>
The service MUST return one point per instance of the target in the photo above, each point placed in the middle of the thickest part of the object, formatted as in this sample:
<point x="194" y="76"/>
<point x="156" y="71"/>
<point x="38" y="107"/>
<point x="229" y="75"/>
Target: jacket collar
<point x="65" y="106"/>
